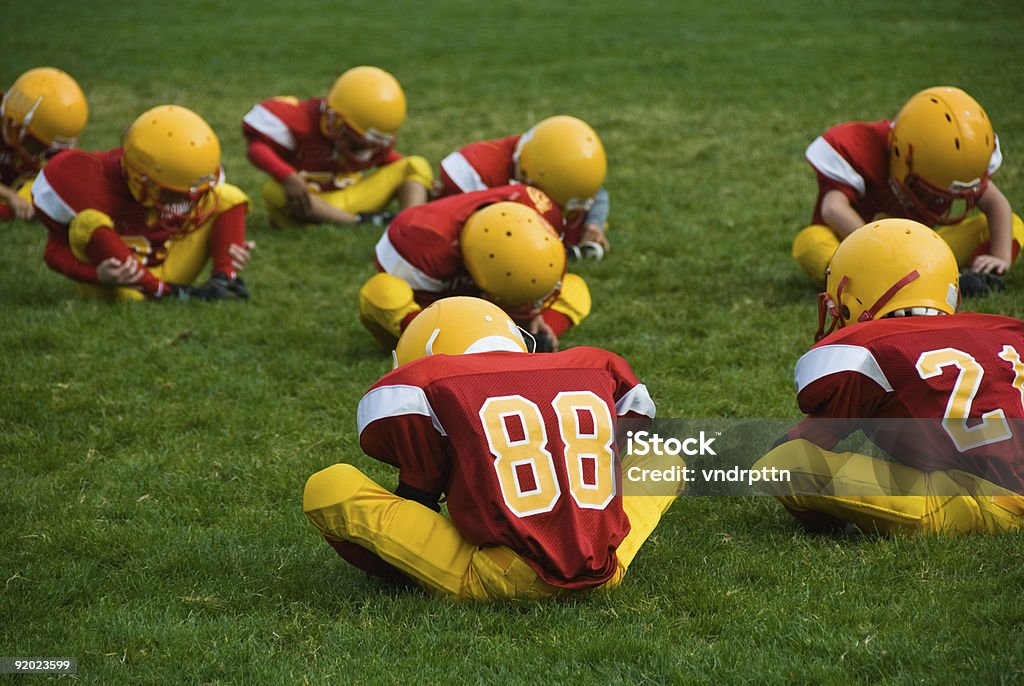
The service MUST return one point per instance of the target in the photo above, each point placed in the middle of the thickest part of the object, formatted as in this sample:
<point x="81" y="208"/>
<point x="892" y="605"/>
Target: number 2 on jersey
<point x="518" y="440"/>
<point x="993" y="426"/>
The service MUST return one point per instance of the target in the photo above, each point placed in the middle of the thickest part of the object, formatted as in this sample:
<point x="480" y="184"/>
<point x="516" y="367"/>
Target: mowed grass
<point x="152" y="457"/>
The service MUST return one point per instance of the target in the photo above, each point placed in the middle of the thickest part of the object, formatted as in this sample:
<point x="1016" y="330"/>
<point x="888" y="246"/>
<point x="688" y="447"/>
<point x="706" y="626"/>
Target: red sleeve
<point x="106" y="243"/>
<point x="836" y="397"/>
<point x="228" y="230"/>
<point x="411" y="443"/>
<point x="265" y="158"/>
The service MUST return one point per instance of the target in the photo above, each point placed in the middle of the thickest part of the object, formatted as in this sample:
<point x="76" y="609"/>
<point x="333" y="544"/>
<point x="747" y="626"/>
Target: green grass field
<point x="152" y="456"/>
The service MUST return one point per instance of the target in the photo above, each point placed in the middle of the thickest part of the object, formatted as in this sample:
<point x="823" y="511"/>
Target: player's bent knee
<point x="331" y="486"/>
<point x="229" y="196"/>
<point x="81" y="229"/>
<point x="272" y="194"/>
<point x="1017" y="226"/>
<point x="385" y="301"/>
<point x="418" y="170"/>
<point x="574" y="300"/>
<point x="812" y="249"/>
<point x="385" y="292"/>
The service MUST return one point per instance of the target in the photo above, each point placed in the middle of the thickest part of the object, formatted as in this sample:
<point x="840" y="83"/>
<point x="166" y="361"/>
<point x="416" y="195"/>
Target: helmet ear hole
<point x="845" y="313"/>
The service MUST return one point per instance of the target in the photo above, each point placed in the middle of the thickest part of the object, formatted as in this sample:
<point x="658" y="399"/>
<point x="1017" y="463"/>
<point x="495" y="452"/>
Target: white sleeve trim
<point x="829" y="162"/>
<point x="395" y="401"/>
<point x="832" y="359"/>
<point x="462" y="173"/>
<point x="268" y="123"/>
<point x="996" y="160"/>
<point x="393" y="263"/>
<point x="637" y="400"/>
<point x="47" y="200"/>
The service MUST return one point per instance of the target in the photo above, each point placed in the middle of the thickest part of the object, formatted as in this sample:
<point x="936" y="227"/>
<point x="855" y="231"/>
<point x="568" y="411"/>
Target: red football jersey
<point x="488" y="164"/>
<point x="74" y="181"/>
<point x="962" y="371"/>
<point x="523" y="446"/>
<point x="421" y="245"/>
<point x="854" y="158"/>
<point x="292" y="129"/>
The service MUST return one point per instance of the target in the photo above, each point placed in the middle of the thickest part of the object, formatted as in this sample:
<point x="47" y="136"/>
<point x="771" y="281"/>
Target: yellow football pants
<point x="346" y="505"/>
<point x="386" y="300"/>
<point x="186" y="256"/>
<point x="814" y="246"/>
<point x="889" y="497"/>
<point x="366" y="192"/>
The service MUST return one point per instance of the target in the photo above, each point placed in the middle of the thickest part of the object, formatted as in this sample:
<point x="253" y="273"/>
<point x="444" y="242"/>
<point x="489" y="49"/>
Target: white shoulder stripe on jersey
<point x="267" y="123"/>
<point x="47" y="200"/>
<point x="832" y="359"/>
<point x="637" y="400"/>
<point x="395" y="401"/>
<point x="996" y="160"/>
<point x="829" y="162"/>
<point x="396" y="265"/>
<point x="462" y="173"/>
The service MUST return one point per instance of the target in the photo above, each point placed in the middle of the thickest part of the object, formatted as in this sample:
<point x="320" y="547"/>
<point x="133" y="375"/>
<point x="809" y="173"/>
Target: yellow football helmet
<point x="171" y="161"/>
<point x="887" y="267"/>
<point x="514" y="256"/>
<point x="563" y="157"/>
<point x="43" y="111"/>
<point x="458" y="326"/>
<point x="940" y="146"/>
<point x="362" y="112"/>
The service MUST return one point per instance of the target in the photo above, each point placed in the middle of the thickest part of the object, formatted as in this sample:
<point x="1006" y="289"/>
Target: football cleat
<point x="974" y="284"/>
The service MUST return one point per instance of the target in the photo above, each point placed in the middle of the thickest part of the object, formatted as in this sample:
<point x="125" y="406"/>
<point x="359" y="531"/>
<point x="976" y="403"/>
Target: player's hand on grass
<point x="115" y="272"/>
<point x="545" y="339"/>
<point x="592" y="233"/>
<point x="989" y="264"/>
<point x="21" y="208"/>
<point x="240" y="254"/>
<point x="297" y="195"/>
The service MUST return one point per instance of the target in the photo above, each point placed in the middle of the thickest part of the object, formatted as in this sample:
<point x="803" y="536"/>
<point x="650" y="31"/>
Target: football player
<point x="563" y="157"/>
<point x="319" y="153"/>
<point x="43" y="112"/>
<point x="141" y="221"/>
<point x="939" y="392"/>
<point x="497" y="243"/>
<point x="523" y="449"/>
<point x="933" y="164"/>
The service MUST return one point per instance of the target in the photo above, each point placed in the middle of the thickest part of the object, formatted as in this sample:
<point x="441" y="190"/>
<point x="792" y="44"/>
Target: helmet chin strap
<point x="826" y="306"/>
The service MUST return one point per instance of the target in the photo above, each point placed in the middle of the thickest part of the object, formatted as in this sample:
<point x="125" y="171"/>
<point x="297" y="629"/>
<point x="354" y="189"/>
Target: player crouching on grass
<point x="141" y="221"/>
<point x="561" y="156"/>
<point x="43" y="112"/>
<point x="932" y="164"/>
<point x="521" y="446"/>
<point x="497" y="244"/>
<point x="332" y="159"/>
<point x="940" y="392"/>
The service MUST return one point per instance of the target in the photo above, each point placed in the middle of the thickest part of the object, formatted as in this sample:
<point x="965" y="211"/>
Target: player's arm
<point x="19" y="207"/>
<point x="997" y="210"/>
<point x="597" y="219"/>
<point x="838" y="213"/>
<point x="266" y="157"/>
<point x="837" y="385"/>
